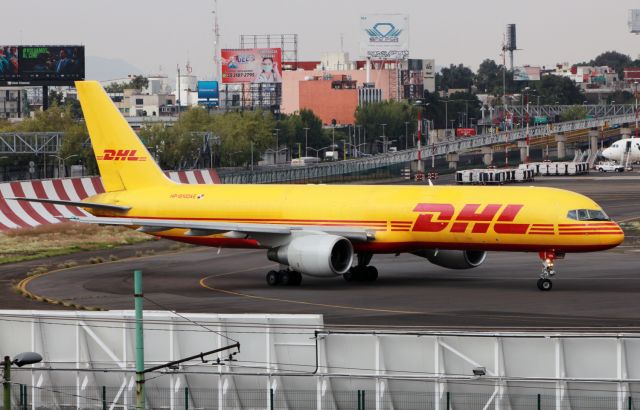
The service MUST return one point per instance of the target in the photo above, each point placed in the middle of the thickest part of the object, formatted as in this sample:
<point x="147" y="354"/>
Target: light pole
<point x="306" y="139"/>
<point x="61" y="162"/>
<point x="384" y="139"/>
<point x="406" y="135"/>
<point x="635" y="94"/>
<point x="22" y="359"/>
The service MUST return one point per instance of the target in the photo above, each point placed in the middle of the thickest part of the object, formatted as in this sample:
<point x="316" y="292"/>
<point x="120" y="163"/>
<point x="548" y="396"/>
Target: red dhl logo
<point x="120" y="155"/>
<point x="438" y="217"/>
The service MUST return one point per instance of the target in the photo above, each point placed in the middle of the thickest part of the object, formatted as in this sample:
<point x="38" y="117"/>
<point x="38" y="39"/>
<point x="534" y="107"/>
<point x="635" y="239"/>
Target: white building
<point x="187" y="90"/>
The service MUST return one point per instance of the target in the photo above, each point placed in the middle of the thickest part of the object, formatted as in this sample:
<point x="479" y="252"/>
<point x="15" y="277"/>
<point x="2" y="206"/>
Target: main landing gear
<point x="362" y="272"/>
<point x="284" y="277"/>
<point x="548" y="259"/>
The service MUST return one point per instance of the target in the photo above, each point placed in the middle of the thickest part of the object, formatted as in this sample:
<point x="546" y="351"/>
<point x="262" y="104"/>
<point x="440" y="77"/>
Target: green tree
<point x="457" y="77"/>
<point x="577" y="112"/>
<point x="554" y="89"/>
<point x="392" y="114"/>
<point x="292" y="131"/>
<point x="613" y="59"/>
<point x="138" y="82"/>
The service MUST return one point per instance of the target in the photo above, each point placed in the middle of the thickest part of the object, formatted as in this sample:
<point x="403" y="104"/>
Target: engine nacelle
<point x="453" y="259"/>
<point x="315" y="255"/>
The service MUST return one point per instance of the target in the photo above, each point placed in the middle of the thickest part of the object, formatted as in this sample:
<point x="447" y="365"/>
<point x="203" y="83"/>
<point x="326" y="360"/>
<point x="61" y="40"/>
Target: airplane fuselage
<point x="404" y="218"/>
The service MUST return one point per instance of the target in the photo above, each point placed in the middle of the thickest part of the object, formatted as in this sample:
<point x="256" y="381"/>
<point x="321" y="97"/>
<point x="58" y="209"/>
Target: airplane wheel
<point x="545" y="284"/>
<point x="349" y="275"/>
<point x="371" y="274"/>
<point x="296" y="278"/>
<point x="286" y="278"/>
<point x="273" y="278"/>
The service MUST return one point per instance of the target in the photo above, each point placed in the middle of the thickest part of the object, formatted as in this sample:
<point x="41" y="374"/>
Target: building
<point x="11" y="103"/>
<point x="135" y="103"/>
<point x="333" y="99"/>
<point x="383" y="80"/>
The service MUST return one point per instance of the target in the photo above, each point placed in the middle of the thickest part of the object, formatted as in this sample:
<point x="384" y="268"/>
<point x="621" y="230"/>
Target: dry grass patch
<point x="61" y="239"/>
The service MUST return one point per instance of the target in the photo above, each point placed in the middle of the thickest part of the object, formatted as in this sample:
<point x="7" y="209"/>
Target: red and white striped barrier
<point x="23" y="214"/>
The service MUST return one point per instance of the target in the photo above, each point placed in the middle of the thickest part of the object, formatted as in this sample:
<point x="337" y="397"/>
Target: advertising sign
<point x="465" y="132"/>
<point x="384" y="36"/>
<point x="526" y="73"/>
<point x="208" y="93"/>
<point x="251" y="65"/>
<point x="41" y="65"/>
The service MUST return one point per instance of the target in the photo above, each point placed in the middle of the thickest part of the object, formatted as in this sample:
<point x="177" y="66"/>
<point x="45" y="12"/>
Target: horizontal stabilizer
<point x="91" y="205"/>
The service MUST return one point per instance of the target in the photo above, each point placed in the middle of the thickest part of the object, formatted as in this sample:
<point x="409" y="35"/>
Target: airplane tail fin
<point x="123" y="160"/>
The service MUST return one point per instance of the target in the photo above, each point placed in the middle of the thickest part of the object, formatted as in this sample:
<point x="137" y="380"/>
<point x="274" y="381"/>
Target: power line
<point x="189" y="320"/>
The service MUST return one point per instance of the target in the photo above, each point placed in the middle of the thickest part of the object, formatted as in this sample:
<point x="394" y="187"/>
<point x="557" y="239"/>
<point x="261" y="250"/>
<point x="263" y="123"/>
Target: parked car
<point x="609" y="167"/>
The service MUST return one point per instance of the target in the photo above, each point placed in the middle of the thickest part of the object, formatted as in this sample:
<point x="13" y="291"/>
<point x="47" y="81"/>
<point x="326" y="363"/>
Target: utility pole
<point x="138" y="295"/>
<point x="406" y="134"/>
<point x="251" y="155"/>
<point x="7" y="383"/>
<point x="306" y="140"/>
<point x="179" y="91"/>
<point x="216" y="42"/>
<point x="384" y="140"/>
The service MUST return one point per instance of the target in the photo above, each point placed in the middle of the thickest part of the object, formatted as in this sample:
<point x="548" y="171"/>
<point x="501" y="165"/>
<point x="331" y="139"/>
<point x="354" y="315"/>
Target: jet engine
<point x="315" y="255"/>
<point x="453" y="259"/>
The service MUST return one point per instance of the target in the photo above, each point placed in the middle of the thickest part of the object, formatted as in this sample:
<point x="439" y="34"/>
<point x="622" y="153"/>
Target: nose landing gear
<point x="548" y="262"/>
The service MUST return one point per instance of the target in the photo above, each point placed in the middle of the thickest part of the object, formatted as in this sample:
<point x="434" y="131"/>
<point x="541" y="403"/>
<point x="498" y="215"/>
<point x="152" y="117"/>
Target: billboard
<point x="208" y="93"/>
<point x="412" y="79"/>
<point x="251" y="65"/>
<point x="526" y="73"/>
<point x="384" y="36"/>
<point x="41" y="65"/>
<point x="465" y="132"/>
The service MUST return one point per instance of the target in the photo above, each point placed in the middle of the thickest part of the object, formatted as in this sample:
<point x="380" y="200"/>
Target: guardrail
<point x="356" y="165"/>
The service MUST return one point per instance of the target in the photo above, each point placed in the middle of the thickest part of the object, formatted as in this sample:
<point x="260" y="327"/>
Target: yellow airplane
<point x="320" y="230"/>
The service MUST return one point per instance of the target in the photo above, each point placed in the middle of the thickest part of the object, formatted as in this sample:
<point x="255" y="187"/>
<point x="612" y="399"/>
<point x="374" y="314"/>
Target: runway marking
<point x="297" y="302"/>
<point x="633" y="218"/>
<point x="21" y="287"/>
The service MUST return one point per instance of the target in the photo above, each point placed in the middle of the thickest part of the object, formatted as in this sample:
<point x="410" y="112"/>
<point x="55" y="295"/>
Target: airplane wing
<point x="91" y="205"/>
<point x="239" y="230"/>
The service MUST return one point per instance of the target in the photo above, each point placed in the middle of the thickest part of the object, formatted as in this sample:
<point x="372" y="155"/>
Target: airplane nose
<point x="615" y="238"/>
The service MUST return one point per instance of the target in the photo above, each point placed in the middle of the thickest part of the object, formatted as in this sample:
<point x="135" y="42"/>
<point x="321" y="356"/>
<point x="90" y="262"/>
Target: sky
<point x="156" y="35"/>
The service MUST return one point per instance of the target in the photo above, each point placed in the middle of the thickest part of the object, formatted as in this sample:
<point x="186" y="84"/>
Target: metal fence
<point x="30" y="397"/>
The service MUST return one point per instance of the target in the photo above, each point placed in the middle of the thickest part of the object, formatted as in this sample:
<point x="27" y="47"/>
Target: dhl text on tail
<point x="333" y="230"/>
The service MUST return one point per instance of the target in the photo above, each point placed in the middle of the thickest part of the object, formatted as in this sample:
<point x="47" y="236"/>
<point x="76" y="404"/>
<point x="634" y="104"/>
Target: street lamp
<point x="384" y="138"/>
<point x="406" y="134"/>
<point x="317" y="150"/>
<point x="22" y="359"/>
<point x="61" y="162"/>
<point x="306" y="139"/>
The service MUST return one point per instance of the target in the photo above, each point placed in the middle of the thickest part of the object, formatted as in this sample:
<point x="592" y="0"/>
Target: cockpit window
<point x="588" y="215"/>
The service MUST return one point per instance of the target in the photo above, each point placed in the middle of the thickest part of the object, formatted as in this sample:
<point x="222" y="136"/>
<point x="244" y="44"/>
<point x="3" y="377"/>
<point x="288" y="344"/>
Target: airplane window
<point x="572" y="215"/>
<point x="597" y="215"/>
<point x="583" y="215"/>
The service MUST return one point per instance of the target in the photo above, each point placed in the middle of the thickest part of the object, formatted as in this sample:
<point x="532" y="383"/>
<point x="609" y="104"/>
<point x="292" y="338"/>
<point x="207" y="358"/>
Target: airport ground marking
<point x="203" y="283"/>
